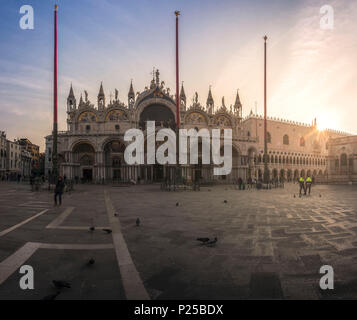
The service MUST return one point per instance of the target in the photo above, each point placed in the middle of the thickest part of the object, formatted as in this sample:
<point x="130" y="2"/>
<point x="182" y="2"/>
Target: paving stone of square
<point x="271" y="244"/>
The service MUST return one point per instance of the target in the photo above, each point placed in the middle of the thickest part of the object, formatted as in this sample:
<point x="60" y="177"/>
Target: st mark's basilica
<point x="92" y="148"/>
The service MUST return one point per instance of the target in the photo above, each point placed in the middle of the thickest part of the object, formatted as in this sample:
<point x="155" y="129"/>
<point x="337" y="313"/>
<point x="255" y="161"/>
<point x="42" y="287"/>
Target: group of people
<point x="305" y="185"/>
<point x="257" y="183"/>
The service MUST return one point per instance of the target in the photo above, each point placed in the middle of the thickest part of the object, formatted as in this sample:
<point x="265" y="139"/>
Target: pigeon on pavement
<point x="90" y="262"/>
<point x="212" y="242"/>
<point x="59" y="284"/>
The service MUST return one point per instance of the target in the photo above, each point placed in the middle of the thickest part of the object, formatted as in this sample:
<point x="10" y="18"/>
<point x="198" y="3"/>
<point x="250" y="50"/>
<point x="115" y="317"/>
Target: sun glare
<point x="323" y="123"/>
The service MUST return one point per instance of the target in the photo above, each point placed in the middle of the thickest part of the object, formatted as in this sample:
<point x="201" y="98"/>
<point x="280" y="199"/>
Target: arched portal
<point x="114" y="160"/>
<point x="84" y="158"/>
<point x="162" y="115"/>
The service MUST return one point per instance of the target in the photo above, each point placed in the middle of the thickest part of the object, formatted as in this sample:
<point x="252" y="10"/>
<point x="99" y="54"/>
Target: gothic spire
<point x="182" y="93"/>
<point x="71" y="94"/>
<point x="131" y="95"/>
<point x="101" y="97"/>
<point x="81" y="100"/>
<point x="210" y="101"/>
<point x="182" y="97"/>
<point x="237" y="104"/>
<point x="71" y="100"/>
<point x="131" y="90"/>
<point x="101" y="91"/>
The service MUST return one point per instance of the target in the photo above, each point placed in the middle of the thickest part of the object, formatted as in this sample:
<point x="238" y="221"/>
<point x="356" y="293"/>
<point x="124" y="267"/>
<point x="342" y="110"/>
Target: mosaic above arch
<point x="222" y="121"/>
<point x="195" y="118"/>
<point x="87" y="116"/>
<point x="115" y="115"/>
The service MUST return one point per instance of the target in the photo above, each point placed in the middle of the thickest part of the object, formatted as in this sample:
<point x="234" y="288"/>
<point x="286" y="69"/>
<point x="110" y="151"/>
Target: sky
<point x="311" y="71"/>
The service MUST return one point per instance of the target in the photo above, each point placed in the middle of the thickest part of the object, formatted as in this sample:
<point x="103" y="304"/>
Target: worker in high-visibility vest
<point x="302" y="185"/>
<point x="308" y="184"/>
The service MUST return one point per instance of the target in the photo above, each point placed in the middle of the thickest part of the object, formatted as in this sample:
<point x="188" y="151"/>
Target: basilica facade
<point x="92" y="148"/>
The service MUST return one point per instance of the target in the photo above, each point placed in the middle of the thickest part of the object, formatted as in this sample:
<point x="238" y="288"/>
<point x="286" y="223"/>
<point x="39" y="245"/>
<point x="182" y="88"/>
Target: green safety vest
<point x="301" y="179"/>
<point x="308" y="179"/>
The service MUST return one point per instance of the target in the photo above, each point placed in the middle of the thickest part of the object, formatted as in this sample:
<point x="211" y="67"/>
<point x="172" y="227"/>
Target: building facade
<point x="13" y="167"/>
<point x="294" y="149"/>
<point x="34" y="151"/>
<point x="15" y="159"/>
<point x="3" y="154"/>
<point x="26" y="163"/>
<point x="342" y="160"/>
<point x="92" y="148"/>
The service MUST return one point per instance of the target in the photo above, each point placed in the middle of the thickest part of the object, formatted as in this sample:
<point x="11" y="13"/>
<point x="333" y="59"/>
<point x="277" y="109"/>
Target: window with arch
<point x="286" y="139"/>
<point x="343" y="160"/>
<point x="302" y="142"/>
<point x="337" y="163"/>
<point x="268" y="137"/>
<point x="316" y="145"/>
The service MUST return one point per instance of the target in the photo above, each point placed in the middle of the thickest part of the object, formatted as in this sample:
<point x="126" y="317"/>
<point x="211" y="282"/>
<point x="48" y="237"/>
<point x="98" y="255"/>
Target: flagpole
<point x="177" y="173"/>
<point x="55" y="123"/>
<point x="266" y="172"/>
<point x="177" y="13"/>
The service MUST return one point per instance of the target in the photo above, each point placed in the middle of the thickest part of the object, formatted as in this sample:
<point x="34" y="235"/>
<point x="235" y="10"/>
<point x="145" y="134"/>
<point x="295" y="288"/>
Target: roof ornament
<point x="157" y="75"/>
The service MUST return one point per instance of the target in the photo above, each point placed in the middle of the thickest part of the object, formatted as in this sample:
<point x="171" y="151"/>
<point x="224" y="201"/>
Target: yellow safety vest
<point x="308" y="179"/>
<point x="301" y="179"/>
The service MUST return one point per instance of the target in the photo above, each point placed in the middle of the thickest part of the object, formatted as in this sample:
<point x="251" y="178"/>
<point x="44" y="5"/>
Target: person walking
<point x="32" y="181"/>
<point x="308" y="184"/>
<point x="59" y="190"/>
<point x="302" y="185"/>
<point x="240" y="182"/>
